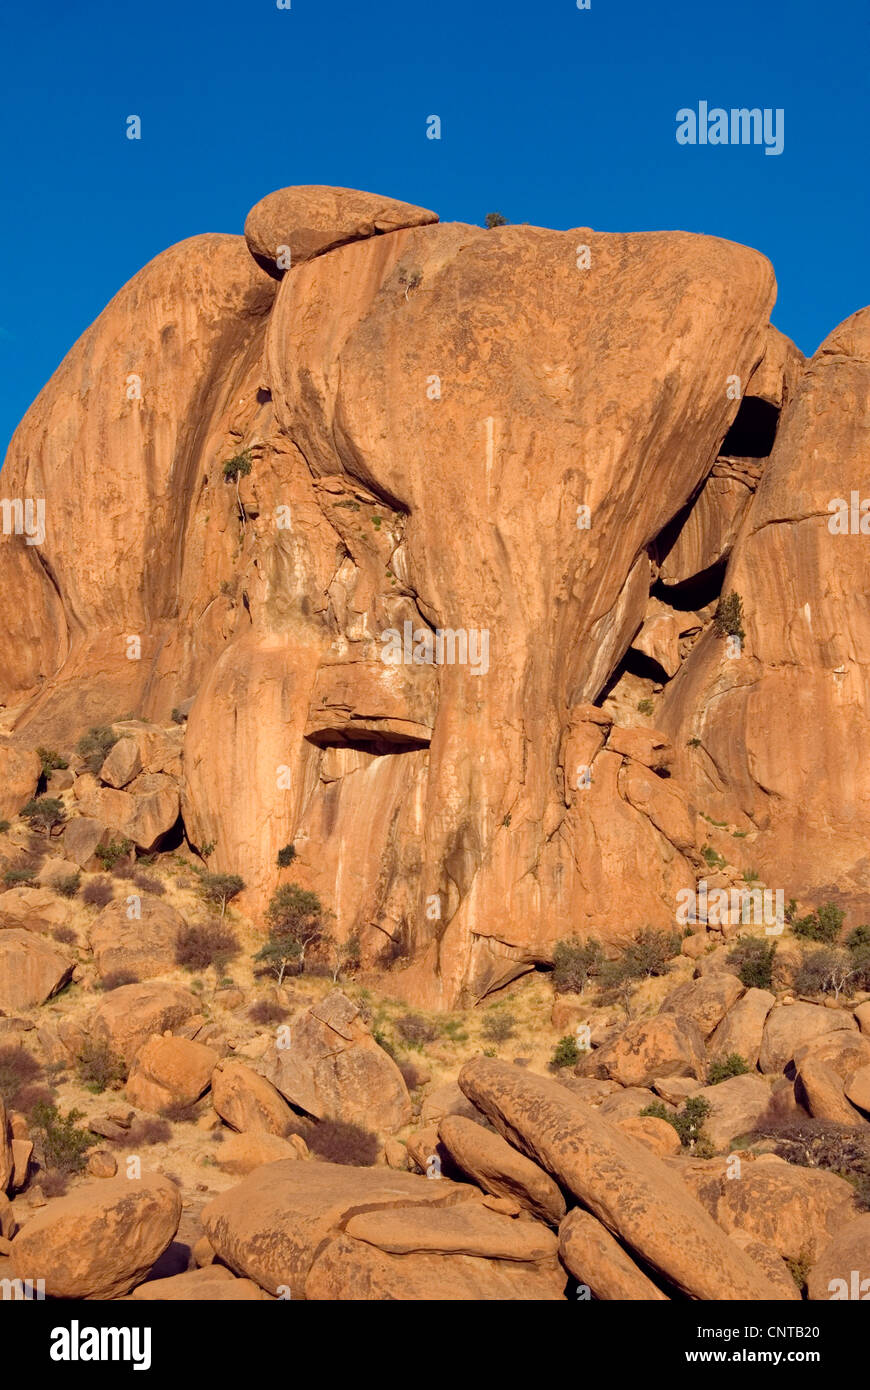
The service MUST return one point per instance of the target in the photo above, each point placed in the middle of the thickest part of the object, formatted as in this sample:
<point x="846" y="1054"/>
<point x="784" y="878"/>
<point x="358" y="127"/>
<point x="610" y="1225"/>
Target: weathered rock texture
<point x="422" y="413"/>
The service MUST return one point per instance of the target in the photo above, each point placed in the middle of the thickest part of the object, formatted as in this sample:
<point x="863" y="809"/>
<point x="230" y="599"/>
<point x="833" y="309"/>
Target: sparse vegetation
<point x="51" y="761"/>
<point x="18" y="1070"/>
<point x="43" y="813"/>
<point x="497" y="1026"/>
<point x="59" y="1141"/>
<point x="19" y="878"/>
<point x="840" y="1149"/>
<point x="725" y="1067"/>
<point x="565" y="1054"/>
<point x="68" y="886"/>
<point x="823" y="924"/>
<point x="95" y="746"/>
<point x="832" y="970"/>
<point x="415" y="1031"/>
<point x="98" y="892"/>
<point x="296" y="925"/>
<point x="339" y="1141"/>
<point x="688" y="1122"/>
<point x="286" y="855"/>
<point x="221" y="888"/>
<point x="649" y="955"/>
<point x="99" y="1068"/>
<point x="645" y="706"/>
<point x="574" y="964"/>
<point x="267" y="1011"/>
<point x="712" y="858"/>
<point x="728" y="619"/>
<point x="200" y="945"/>
<point x="109" y="855"/>
<point x="754" y="958"/>
<point x="495" y="219"/>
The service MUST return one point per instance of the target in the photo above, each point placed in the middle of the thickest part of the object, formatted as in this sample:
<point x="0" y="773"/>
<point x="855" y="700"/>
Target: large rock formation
<point x="414" y="532"/>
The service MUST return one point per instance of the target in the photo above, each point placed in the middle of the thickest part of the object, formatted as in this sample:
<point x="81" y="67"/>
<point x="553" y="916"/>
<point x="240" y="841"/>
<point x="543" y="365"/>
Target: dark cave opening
<point x="753" y="431"/>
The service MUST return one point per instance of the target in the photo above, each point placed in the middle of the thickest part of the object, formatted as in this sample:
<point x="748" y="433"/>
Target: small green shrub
<point x="19" y="878"/>
<point x="68" y="886"/>
<point x="95" y="746"/>
<point x="565" y="1054"/>
<point x="725" y="1067"/>
<point x="51" y="761"/>
<point x="575" y="962"/>
<point x="286" y="855"/>
<point x="712" y="858"/>
<point x="823" y="924"/>
<point x="237" y="467"/>
<point x="754" y="960"/>
<point x="109" y="855"/>
<point x="497" y="1026"/>
<point x="61" y="1143"/>
<point x="43" y="812"/>
<point x="99" y="1068"/>
<point x="728" y="620"/>
<point x="688" y="1122"/>
<point x="495" y="219"/>
<point x="221" y="889"/>
<point x="645" y="706"/>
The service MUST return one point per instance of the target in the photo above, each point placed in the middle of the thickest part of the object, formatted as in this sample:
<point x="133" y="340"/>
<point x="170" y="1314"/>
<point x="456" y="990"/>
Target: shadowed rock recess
<point x="496" y="579"/>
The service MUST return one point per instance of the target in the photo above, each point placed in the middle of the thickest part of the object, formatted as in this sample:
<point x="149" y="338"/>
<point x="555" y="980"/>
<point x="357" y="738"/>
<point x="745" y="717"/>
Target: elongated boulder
<point x="248" y="1102"/>
<point x="742" y="1028"/>
<point x="101" y="1240"/>
<point x="497" y="1167"/>
<point x="595" y="1259"/>
<point x="310" y="219"/>
<point x="270" y="1226"/>
<point x="346" y="1269"/>
<point x="633" y="1193"/>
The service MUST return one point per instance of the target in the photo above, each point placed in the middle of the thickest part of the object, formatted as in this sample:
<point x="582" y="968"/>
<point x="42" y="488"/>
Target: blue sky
<point x="552" y="115"/>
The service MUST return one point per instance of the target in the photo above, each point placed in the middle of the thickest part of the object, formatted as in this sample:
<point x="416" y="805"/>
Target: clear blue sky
<point x="552" y="115"/>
